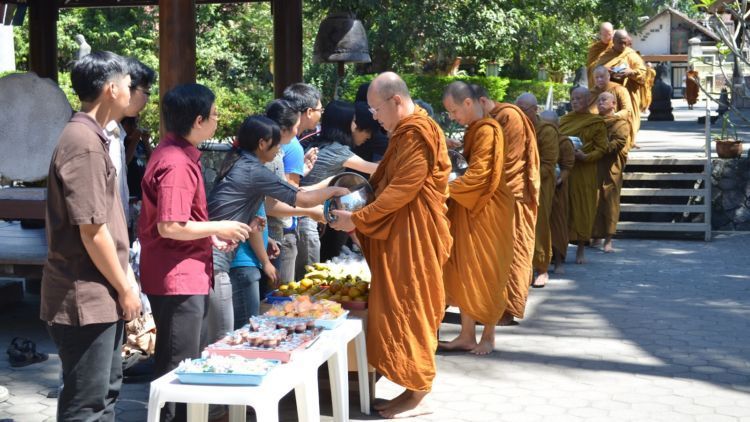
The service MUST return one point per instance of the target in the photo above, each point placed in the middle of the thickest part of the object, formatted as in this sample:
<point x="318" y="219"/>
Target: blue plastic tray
<point x="270" y="298"/>
<point x="206" y="378"/>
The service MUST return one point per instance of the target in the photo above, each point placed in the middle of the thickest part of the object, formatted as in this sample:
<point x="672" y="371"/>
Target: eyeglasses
<point x="376" y="109"/>
<point x="139" y="88"/>
<point x="321" y="110"/>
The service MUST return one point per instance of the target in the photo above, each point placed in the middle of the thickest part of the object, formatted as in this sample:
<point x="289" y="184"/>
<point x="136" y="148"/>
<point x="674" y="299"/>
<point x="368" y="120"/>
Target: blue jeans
<point x="246" y="293"/>
<point x="220" y="314"/>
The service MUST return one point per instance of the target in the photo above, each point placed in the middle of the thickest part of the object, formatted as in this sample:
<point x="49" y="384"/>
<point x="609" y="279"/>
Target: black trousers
<point x="180" y="334"/>
<point x="91" y="357"/>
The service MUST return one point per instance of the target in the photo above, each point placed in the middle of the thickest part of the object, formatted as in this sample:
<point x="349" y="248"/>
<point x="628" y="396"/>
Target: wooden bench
<point x="22" y="203"/>
<point x="19" y="246"/>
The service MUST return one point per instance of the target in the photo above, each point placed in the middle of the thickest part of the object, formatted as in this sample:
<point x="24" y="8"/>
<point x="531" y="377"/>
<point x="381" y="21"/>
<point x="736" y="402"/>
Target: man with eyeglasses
<point x="522" y="175"/>
<point x="406" y="241"/>
<point x="141" y="79"/>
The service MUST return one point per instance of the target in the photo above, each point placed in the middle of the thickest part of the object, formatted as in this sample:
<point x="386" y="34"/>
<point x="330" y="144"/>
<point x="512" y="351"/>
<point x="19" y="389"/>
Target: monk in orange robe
<point x="628" y="69"/>
<point x="522" y="175"/>
<point x="560" y="202"/>
<point x="597" y="48"/>
<point x="602" y="83"/>
<point x="691" y="87"/>
<point x="547" y="139"/>
<point x="480" y="210"/>
<point x="610" y="171"/>
<point x="592" y="132"/>
<point x="405" y="238"/>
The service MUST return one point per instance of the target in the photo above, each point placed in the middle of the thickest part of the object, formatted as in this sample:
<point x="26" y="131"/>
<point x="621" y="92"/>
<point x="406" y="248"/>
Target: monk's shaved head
<point x="606" y="103"/>
<point x="549" y="116"/>
<point x="459" y="91"/>
<point x="528" y="104"/>
<point x="480" y="91"/>
<point x="605" y="32"/>
<point x="388" y="84"/>
<point x="601" y="69"/>
<point x="579" y="99"/>
<point x="601" y="77"/>
<point x="526" y="99"/>
<point x="621" y="34"/>
<point x="608" y="95"/>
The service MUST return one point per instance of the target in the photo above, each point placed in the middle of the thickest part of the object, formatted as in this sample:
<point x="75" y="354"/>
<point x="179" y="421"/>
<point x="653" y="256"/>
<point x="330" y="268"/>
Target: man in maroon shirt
<point x="176" y="236"/>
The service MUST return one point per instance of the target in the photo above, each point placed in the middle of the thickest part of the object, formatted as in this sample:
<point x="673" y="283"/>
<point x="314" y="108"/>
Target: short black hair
<point x="362" y="92"/>
<point x="93" y="71"/>
<point x="282" y="112"/>
<point x="336" y="123"/>
<point x="140" y="74"/>
<point x="302" y="96"/>
<point x="182" y="104"/>
<point x="255" y="128"/>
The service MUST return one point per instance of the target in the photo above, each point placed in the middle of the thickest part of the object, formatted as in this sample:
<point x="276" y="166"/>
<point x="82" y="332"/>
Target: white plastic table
<point x="299" y="375"/>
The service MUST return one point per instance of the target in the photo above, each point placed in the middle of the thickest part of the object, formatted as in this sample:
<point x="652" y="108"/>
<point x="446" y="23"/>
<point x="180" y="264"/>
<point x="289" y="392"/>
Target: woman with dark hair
<point x="239" y="194"/>
<point x="334" y="156"/>
<point x="369" y="139"/>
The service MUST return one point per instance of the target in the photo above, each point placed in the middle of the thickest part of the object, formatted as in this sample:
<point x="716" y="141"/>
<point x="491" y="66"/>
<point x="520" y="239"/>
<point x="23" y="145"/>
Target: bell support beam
<point x="287" y="44"/>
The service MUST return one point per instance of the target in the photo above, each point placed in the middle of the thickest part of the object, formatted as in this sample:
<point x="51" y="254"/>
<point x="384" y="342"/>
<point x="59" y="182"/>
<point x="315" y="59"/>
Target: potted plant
<point x="726" y="145"/>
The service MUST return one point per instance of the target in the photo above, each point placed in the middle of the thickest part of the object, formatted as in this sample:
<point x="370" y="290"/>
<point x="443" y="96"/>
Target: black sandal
<point x="22" y="352"/>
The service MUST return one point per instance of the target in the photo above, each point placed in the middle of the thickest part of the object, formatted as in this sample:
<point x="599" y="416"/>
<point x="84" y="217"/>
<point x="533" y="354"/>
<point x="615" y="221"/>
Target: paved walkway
<point x="657" y="331"/>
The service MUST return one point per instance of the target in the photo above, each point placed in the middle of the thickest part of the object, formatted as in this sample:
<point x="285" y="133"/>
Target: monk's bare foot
<point x="385" y="404"/>
<point x="459" y="343"/>
<point x="608" y="246"/>
<point x="506" y="319"/>
<point x="483" y="348"/>
<point x="579" y="255"/>
<point x="540" y="281"/>
<point x="411" y="407"/>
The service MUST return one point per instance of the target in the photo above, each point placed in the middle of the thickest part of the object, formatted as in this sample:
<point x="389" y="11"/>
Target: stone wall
<point x="731" y="194"/>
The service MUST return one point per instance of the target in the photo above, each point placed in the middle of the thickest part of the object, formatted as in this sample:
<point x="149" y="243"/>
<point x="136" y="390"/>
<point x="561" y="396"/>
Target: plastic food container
<point x="208" y="378"/>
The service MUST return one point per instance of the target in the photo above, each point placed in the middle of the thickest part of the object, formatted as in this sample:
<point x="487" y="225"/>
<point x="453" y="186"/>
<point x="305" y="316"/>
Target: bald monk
<point x="592" y="131"/>
<point x="602" y="83"/>
<point x="598" y="47"/>
<point x="691" y="86"/>
<point x="560" y="201"/>
<point x="522" y="175"/>
<point x="633" y="75"/>
<point x="610" y="170"/>
<point x="480" y="211"/>
<point x="406" y="241"/>
<point x="547" y="140"/>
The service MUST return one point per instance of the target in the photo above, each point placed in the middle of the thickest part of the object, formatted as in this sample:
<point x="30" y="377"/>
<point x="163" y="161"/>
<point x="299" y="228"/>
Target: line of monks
<point x="475" y="242"/>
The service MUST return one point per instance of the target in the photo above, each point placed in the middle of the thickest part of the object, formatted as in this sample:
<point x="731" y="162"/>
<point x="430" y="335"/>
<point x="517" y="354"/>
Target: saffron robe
<point x="406" y="241"/>
<point x="584" y="176"/>
<point x="634" y="83"/>
<point x="596" y="49"/>
<point x="480" y="210"/>
<point x="610" y="173"/>
<point x="561" y="202"/>
<point x="522" y="175"/>
<point x="548" y="143"/>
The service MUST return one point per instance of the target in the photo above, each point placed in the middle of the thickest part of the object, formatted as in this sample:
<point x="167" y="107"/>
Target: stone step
<point x="660" y="227"/>
<point x="666" y="161"/>
<point x="663" y="176"/>
<point x="661" y="192"/>
<point x="648" y="208"/>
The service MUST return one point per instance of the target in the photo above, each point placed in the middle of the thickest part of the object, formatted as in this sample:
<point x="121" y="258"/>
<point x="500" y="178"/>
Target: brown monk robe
<point x="406" y="241"/>
<point x="480" y="211"/>
<point x="547" y="141"/>
<point x="633" y="77"/>
<point x="610" y="171"/>
<point x="597" y="48"/>
<point x="592" y="131"/>
<point x="561" y="205"/>
<point x="522" y="175"/>
<point x="646" y="92"/>
<point x="602" y="83"/>
<point x="691" y="87"/>
<point x="547" y="137"/>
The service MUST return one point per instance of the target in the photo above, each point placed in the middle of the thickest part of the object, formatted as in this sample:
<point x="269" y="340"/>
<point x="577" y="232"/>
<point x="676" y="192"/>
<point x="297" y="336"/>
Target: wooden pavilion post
<point x="43" y="38"/>
<point x="176" y="43"/>
<point x="287" y="44"/>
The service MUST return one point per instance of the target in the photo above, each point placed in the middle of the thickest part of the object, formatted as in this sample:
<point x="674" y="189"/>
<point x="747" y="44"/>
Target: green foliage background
<point x="419" y="39"/>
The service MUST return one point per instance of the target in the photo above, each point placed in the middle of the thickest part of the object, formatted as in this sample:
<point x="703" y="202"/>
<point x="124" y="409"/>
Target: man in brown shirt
<point x="88" y="288"/>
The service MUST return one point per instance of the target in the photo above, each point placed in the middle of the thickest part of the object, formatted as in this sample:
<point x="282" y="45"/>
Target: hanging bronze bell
<point x="341" y="39"/>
